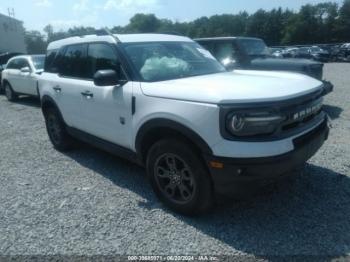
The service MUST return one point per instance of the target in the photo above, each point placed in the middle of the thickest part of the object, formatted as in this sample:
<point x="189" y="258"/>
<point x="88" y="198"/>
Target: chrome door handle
<point x="87" y="94"/>
<point x="57" y="89"/>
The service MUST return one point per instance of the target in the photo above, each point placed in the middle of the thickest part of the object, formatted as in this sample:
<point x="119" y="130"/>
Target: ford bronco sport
<point x="164" y="102"/>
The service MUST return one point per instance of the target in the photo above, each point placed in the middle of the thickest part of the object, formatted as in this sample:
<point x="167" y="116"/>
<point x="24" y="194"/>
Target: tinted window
<point x="254" y="47"/>
<point x="12" y="64"/>
<point x="50" y="57"/>
<point x="74" y="63"/>
<point x="22" y="63"/>
<point x="101" y="57"/>
<point x="225" y="53"/>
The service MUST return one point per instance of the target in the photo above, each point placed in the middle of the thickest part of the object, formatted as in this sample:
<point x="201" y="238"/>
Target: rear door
<point x="70" y="81"/>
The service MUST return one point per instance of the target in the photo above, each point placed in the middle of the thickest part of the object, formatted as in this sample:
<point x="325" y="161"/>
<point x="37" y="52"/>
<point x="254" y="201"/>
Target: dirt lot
<point x="89" y="202"/>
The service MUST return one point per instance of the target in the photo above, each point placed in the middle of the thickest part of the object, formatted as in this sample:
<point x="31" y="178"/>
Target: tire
<point x="56" y="129"/>
<point x="9" y="93"/>
<point x="185" y="187"/>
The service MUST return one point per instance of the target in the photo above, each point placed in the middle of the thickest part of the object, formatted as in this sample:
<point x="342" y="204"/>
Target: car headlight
<point x="253" y="123"/>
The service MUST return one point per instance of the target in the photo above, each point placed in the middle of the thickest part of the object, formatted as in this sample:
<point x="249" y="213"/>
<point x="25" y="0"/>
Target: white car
<point x="164" y="102"/>
<point x="20" y="76"/>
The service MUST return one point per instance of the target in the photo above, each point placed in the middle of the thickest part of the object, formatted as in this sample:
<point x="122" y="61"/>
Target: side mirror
<point x="106" y="78"/>
<point x="25" y="69"/>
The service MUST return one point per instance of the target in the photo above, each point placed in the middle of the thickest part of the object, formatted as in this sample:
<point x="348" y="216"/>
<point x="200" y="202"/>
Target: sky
<point x="63" y="14"/>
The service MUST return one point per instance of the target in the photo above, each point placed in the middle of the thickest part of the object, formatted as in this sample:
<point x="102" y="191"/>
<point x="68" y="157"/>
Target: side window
<point x="225" y="52"/>
<point x="22" y="63"/>
<point x="12" y="64"/>
<point x="208" y="46"/>
<point x="102" y="56"/>
<point x="49" y="59"/>
<point x="74" y="62"/>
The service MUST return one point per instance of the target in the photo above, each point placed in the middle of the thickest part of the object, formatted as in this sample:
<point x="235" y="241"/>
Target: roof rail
<point x="170" y="33"/>
<point x="105" y="31"/>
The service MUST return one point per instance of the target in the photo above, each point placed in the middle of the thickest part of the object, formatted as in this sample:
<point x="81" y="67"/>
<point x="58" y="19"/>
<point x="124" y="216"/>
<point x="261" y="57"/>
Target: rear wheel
<point x="10" y="94"/>
<point x="179" y="177"/>
<point x="56" y="130"/>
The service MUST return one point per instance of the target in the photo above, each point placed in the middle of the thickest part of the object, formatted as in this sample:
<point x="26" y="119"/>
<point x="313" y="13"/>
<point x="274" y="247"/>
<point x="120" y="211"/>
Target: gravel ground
<point x="89" y="202"/>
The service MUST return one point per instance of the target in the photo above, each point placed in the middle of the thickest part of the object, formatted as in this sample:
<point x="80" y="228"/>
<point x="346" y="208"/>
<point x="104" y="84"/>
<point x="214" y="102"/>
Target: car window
<point x="12" y="64"/>
<point x="225" y="53"/>
<point x="49" y="61"/>
<point x="22" y="62"/>
<point x="38" y="62"/>
<point x="73" y="63"/>
<point x="102" y="56"/>
<point x="160" y="61"/>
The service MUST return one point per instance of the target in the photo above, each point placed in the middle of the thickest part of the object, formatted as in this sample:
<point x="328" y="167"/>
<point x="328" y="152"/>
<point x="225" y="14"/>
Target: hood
<point x="234" y="87"/>
<point x="282" y="63"/>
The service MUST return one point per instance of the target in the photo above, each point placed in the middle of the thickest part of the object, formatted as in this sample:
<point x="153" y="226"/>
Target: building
<point x="11" y="35"/>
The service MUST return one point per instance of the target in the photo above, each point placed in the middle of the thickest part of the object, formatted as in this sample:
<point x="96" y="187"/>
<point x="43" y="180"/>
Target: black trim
<point x="240" y="175"/>
<point x="170" y="124"/>
<point x="133" y="105"/>
<point x="285" y="107"/>
<point x="104" y="145"/>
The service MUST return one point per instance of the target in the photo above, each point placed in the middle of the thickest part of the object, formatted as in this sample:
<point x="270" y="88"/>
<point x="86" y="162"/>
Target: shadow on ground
<point x="334" y="112"/>
<point x="310" y="216"/>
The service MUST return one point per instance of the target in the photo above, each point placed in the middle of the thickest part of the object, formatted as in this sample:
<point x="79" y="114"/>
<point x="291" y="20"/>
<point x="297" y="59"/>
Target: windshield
<point x="38" y="62"/>
<point x="159" y="61"/>
<point x="316" y="49"/>
<point x="254" y="47"/>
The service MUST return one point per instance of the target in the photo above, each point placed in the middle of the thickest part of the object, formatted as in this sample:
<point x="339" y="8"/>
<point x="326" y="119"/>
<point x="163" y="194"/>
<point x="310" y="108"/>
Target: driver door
<point x="106" y="110"/>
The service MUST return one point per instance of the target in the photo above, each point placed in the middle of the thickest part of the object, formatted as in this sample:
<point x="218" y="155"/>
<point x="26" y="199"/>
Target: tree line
<point x="319" y="23"/>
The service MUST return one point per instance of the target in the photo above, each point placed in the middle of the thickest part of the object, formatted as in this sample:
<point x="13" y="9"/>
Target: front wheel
<point x="179" y="177"/>
<point x="9" y="93"/>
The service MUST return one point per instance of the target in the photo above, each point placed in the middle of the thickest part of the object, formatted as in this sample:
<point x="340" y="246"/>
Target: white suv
<point x="164" y="102"/>
<point x="20" y="76"/>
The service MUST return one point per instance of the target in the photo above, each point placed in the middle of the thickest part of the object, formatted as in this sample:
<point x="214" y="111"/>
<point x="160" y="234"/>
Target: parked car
<point x="315" y="53"/>
<point x="277" y="52"/>
<point x="344" y="53"/>
<point x="290" y="52"/>
<point x="20" y="76"/>
<point x="167" y="104"/>
<point x="4" y="57"/>
<point x="253" y="54"/>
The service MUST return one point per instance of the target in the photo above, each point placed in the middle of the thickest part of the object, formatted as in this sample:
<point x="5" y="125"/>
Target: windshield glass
<point x="38" y="62"/>
<point x="159" y="61"/>
<point x="254" y="47"/>
<point x="316" y="49"/>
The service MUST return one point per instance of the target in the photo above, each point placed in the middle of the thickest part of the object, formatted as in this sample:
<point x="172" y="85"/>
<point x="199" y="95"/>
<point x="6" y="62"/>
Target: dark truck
<point x="253" y="54"/>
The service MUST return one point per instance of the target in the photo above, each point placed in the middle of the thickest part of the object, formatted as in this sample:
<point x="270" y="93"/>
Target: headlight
<point x="250" y="124"/>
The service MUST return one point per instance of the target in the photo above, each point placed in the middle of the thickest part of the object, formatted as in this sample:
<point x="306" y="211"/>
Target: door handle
<point x="87" y="94"/>
<point x="57" y="89"/>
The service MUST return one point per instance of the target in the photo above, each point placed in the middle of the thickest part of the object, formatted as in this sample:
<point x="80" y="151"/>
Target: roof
<point x="122" y="38"/>
<point x="25" y="56"/>
<point x="225" y="38"/>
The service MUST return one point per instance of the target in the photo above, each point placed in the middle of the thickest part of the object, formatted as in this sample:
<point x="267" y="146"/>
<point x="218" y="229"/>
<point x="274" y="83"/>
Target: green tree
<point x="36" y="42"/>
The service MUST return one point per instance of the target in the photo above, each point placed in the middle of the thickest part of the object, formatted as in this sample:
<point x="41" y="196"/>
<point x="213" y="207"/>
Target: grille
<point x="302" y="114"/>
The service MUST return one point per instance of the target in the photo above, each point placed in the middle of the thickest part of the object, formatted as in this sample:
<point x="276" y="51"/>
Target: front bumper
<point x="327" y="87"/>
<point x="238" y="176"/>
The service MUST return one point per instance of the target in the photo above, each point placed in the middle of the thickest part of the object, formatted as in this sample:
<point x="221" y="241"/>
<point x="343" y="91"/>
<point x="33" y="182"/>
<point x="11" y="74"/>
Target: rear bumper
<point x="239" y="176"/>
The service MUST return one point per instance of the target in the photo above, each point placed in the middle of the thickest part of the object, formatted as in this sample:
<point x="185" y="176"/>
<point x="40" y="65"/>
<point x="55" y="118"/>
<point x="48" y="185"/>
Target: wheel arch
<point x="159" y="128"/>
<point x="47" y="102"/>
